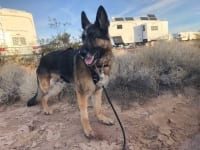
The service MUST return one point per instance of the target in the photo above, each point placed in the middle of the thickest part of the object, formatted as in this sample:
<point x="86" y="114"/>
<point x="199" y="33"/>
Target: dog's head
<point x="95" y="37"/>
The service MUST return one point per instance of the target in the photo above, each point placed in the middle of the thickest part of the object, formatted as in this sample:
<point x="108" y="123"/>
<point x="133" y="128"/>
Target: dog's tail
<point x="34" y="100"/>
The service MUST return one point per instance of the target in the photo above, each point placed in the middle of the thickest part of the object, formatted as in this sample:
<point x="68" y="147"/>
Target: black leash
<point x="123" y="132"/>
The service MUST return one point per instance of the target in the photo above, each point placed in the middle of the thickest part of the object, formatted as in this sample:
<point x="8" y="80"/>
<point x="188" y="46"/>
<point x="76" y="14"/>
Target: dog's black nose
<point x="83" y="52"/>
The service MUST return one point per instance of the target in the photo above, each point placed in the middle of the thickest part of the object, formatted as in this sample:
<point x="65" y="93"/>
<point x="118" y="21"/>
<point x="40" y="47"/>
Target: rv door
<point x="138" y="34"/>
<point x="144" y="33"/>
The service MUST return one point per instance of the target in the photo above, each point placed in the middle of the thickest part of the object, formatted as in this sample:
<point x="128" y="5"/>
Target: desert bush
<point x="167" y="65"/>
<point x="25" y="60"/>
<point x="196" y="43"/>
<point x="18" y="82"/>
<point x="15" y="83"/>
<point x="10" y="78"/>
<point x="135" y="74"/>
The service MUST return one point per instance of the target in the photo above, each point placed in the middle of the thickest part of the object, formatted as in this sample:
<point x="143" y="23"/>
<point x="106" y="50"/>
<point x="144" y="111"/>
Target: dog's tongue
<point x="89" y="60"/>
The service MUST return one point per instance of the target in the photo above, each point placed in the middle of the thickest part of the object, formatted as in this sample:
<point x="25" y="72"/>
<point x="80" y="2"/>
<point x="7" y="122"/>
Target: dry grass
<point x="10" y="78"/>
<point x="16" y="83"/>
<point x="135" y="73"/>
<point x="148" y="71"/>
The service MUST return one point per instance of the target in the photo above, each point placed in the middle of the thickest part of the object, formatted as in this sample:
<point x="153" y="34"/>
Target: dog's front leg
<point x="83" y="104"/>
<point x="98" y="108"/>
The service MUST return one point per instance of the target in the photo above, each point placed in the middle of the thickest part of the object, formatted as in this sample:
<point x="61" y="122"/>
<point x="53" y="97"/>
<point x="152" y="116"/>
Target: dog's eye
<point x="100" y="66"/>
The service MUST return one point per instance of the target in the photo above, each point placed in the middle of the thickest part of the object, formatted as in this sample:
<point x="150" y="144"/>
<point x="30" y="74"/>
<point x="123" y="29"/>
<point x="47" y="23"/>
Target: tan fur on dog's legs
<point x="49" y="87"/>
<point x="83" y="104"/>
<point x="98" y="108"/>
<point x="44" y="83"/>
<point x="46" y="108"/>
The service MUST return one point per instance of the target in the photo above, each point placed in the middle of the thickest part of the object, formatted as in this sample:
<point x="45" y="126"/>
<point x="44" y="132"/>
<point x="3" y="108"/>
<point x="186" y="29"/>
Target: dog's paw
<point x="90" y="134"/>
<point x="48" y="112"/>
<point x="107" y="121"/>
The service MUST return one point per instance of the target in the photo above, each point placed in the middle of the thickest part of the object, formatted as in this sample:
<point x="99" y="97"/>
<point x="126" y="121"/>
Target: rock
<point x="52" y="135"/>
<point x="165" y="130"/>
<point x="57" y="145"/>
<point x="43" y="127"/>
<point x="33" y="124"/>
<point x="7" y="140"/>
<point x="131" y="147"/>
<point x="34" y="144"/>
<point x="162" y="137"/>
<point x="24" y="129"/>
<point x="151" y="133"/>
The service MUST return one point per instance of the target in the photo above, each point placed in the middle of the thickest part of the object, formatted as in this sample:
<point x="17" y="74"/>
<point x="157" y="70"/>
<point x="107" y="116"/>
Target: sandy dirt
<point x="167" y="122"/>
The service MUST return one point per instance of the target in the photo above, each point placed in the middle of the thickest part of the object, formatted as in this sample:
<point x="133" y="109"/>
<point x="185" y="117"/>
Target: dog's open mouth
<point x="89" y="60"/>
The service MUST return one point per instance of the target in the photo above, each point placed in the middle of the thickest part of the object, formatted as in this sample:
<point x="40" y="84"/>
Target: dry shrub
<point x="19" y="82"/>
<point x="27" y="60"/>
<point x="15" y="84"/>
<point x="146" y="71"/>
<point x="28" y="86"/>
<point x="135" y="74"/>
<point x="196" y="42"/>
<point x="10" y="79"/>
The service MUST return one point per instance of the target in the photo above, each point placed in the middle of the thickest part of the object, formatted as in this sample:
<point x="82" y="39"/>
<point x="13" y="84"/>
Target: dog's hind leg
<point x="45" y="106"/>
<point x="53" y="87"/>
<point x="44" y="83"/>
<point x="97" y="98"/>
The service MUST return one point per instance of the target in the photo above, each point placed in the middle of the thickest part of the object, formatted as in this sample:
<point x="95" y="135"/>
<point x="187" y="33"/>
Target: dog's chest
<point x="103" y="80"/>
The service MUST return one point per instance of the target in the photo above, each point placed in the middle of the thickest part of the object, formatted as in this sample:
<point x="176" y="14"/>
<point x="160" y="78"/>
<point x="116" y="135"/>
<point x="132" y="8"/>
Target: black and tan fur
<point x="58" y="67"/>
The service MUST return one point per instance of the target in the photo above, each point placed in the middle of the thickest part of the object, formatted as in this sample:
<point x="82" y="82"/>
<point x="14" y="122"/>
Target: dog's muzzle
<point x="90" y="56"/>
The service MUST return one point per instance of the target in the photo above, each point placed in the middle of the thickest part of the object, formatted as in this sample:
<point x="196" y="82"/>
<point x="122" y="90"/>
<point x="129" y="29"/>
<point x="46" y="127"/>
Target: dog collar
<point x="94" y="74"/>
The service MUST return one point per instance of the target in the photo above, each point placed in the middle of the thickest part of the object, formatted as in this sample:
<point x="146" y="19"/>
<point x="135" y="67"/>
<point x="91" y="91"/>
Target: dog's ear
<point x="102" y="19"/>
<point x="84" y="20"/>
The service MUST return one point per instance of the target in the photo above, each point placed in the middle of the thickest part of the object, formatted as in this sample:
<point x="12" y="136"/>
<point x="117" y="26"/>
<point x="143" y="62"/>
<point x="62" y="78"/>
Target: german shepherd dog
<point x="88" y="68"/>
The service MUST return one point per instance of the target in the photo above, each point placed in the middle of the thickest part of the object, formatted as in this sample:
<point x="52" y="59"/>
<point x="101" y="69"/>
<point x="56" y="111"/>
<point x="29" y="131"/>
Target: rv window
<point x="19" y="41"/>
<point x="15" y="40"/>
<point x="153" y="28"/>
<point x="119" y="26"/>
<point x="23" y="41"/>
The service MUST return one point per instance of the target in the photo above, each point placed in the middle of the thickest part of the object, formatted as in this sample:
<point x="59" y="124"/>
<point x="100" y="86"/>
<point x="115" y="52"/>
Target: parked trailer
<point x="187" y="36"/>
<point x="146" y="29"/>
<point x="17" y="33"/>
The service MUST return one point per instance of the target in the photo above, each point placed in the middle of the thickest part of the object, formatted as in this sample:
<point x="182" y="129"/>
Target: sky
<point x="182" y="15"/>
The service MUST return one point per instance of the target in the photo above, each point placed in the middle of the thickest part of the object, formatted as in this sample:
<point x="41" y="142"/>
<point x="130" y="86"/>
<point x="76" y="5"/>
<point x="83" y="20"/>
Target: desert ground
<point x="166" y="122"/>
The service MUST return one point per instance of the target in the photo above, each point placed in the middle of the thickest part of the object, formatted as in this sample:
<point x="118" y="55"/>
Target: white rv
<point x="17" y="33"/>
<point x="187" y="36"/>
<point x="129" y="30"/>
